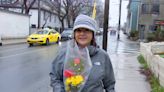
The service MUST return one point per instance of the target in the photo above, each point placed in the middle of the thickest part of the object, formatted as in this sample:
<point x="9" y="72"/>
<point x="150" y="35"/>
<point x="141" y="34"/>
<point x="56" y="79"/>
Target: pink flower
<point x="77" y="61"/>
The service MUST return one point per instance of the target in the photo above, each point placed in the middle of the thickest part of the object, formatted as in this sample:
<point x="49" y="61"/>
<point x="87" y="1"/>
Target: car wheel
<point x="57" y="41"/>
<point x="30" y="44"/>
<point x="47" y="41"/>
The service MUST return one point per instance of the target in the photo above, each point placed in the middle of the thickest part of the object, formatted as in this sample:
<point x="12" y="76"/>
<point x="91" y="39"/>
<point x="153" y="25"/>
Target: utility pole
<point x="119" y="21"/>
<point x="39" y="13"/>
<point x="105" y="32"/>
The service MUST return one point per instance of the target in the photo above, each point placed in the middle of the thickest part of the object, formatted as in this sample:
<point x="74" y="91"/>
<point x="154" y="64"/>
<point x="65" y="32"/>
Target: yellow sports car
<point x="44" y="36"/>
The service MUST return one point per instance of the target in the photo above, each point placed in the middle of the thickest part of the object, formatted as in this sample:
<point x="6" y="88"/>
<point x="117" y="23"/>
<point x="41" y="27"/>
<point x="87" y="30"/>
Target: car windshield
<point x="42" y="32"/>
<point x="67" y="32"/>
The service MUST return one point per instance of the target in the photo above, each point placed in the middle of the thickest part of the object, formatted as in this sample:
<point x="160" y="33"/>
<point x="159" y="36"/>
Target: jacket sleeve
<point x="56" y="74"/>
<point x="109" y="79"/>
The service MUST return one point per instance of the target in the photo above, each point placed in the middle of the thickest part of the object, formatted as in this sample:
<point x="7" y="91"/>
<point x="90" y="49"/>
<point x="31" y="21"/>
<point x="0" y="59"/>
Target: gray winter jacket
<point x="100" y="78"/>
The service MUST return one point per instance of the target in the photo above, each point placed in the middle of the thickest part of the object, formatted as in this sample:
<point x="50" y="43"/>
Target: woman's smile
<point x="83" y="36"/>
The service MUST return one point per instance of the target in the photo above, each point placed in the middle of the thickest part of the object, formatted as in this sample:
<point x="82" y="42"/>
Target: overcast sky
<point x="114" y="12"/>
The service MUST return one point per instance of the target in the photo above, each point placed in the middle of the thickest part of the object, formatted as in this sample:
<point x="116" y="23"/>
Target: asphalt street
<point x="26" y="69"/>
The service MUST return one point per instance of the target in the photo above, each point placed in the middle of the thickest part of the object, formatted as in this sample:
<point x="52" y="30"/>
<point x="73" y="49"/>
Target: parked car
<point x="99" y="32"/>
<point x="44" y="36"/>
<point x="67" y="34"/>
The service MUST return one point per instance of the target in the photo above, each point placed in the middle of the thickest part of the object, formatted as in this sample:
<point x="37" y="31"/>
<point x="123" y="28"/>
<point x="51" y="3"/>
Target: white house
<point x="14" y="25"/>
<point x="47" y="16"/>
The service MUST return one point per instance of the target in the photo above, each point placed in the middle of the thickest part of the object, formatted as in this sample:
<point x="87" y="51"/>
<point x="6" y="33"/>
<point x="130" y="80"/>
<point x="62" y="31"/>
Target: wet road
<point x="24" y="69"/>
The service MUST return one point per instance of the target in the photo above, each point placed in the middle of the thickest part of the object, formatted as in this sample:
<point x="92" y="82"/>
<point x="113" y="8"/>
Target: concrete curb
<point x="13" y="42"/>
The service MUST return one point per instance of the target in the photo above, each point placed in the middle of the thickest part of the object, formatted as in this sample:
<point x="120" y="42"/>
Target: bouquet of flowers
<point x="76" y="67"/>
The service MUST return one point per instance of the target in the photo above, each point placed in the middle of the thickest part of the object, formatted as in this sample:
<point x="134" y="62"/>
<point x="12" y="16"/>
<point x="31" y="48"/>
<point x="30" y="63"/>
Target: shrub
<point x="156" y="36"/>
<point x="154" y="82"/>
<point x="151" y="37"/>
<point x="134" y="33"/>
<point x="161" y="35"/>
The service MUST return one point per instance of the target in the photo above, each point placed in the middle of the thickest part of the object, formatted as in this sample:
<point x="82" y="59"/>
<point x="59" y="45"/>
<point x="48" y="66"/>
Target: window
<point x="141" y="27"/>
<point x="155" y="1"/>
<point x="50" y="16"/>
<point x="153" y="28"/>
<point x="44" y="14"/>
<point x="6" y="1"/>
<point x="3" y="1"/>
<point x="9" y="1"/>
<point x="155" y="8"/>
<point x="145" y="8"/>
<point x="150" y="28"/>
<point x="142" y="33"/>
<point x="33" y="25"/>
<point x="54" y="18"/>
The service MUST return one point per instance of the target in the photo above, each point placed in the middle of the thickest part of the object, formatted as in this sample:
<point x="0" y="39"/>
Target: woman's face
<point x="83" y="36"/>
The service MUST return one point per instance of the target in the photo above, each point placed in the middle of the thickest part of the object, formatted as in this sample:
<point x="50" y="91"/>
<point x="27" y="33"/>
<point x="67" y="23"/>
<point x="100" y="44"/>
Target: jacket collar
<point x="92" y="50"/>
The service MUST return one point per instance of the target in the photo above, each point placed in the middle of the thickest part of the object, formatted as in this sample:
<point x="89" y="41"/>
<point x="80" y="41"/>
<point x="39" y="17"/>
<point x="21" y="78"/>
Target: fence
<point x="154" y="61"/>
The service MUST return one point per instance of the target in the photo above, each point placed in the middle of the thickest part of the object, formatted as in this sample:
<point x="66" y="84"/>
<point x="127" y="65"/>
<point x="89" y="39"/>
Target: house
<point x="132" y="17"/>
<point x="11" y="28"/>
<point x="42" y="16"/>
<point x="151" y="16"/>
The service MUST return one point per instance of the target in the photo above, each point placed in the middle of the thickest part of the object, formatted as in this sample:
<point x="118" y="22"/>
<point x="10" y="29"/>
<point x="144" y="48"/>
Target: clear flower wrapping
<point x="77" y="67"/>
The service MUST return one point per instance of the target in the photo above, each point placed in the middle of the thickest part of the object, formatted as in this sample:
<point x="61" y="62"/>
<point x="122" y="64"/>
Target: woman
<point x="101" y="76"/>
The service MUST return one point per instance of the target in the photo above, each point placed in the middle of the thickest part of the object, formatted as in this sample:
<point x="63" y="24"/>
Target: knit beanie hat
<point x="84" y="21"/>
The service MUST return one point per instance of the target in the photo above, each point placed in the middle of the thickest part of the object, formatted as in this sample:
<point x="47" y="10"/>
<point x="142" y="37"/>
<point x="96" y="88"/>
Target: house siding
<point x="14" y="25"/>
<point x="149" y="18"/>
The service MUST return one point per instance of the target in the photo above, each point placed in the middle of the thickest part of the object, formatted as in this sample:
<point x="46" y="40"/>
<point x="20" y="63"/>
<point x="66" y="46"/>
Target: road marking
<point x="21" y="53"/>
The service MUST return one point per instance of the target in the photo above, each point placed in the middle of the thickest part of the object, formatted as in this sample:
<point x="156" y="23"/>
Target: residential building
<point x="151" y="16"/>
<point x="11" y="28"/>
<point x="132" y="18"/>
<point x="38" y="18"/>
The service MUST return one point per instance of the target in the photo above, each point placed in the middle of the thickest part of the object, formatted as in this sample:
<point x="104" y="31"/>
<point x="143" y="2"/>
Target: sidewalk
<point x="128" y="77"/>
<point x="126" y="69"/>
<point x="13" y="41"/>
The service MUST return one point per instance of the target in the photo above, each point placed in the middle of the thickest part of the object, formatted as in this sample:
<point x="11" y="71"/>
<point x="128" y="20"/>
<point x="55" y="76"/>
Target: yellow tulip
<point x="76" y="80"/>
<point x="68" y="81"/>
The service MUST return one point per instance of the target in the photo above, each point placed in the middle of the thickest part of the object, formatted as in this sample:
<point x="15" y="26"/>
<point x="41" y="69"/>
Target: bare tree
<point x="27" y="5"/>
<point x="68" y="9"/>
<point x="60" y="7"/>
<point x="76" y="7"/>
<point x="46" y="19"/>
